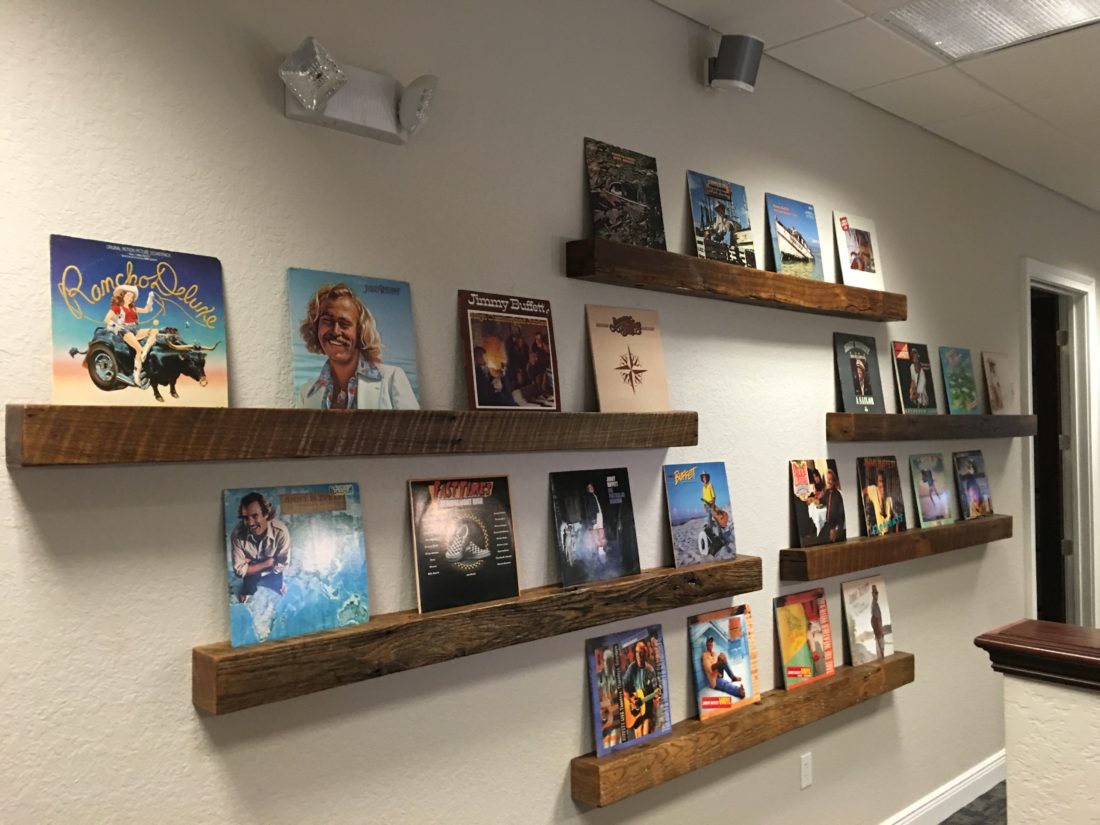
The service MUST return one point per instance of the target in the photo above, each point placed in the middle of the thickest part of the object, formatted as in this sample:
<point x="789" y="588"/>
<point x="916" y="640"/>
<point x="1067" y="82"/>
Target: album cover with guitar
<point x="629" y="685"/>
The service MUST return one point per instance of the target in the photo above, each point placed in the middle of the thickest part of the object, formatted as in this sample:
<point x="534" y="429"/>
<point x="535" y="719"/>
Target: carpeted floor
<point x="988" y="809"/>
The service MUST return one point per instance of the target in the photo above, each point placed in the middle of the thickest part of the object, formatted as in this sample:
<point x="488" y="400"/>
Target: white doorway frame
<point x="1082" y="460"/>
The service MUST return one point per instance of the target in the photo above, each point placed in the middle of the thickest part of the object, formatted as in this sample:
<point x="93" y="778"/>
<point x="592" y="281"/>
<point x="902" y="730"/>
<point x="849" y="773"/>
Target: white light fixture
<point x="958" y="29"/>
<point x="321" y="91"/>
<point x="736" y="64"/>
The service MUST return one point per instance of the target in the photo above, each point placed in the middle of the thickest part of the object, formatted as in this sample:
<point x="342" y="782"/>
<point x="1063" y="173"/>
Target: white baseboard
<point x="951" y="796"/>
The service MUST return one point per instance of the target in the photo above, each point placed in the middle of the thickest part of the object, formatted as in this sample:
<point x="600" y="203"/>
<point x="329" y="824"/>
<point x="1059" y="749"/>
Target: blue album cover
<point x="720" y="220"/>
<point x="133" y="324"/>
<point x="796" y="246"/>
<point x="699" y="512"/>
<point x="296" y="560"/>
<point x="353" y="344"/>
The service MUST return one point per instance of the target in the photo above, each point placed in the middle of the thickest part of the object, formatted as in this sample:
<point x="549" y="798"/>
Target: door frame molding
<point x="1084" y="387"/>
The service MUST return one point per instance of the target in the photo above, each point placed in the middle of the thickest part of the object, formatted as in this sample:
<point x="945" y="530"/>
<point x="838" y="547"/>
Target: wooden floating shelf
<point x="826" y="560"/>
<point x="692" y="744"/>
<point x="43" y="435"/>
<point x="609" y="262"/>
<point x="226" y="679"/>
<point x="887" y="427"/>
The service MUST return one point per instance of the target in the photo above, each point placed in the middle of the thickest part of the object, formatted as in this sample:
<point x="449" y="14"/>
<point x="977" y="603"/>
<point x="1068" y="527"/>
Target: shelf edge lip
<point x="1045" y="651"/>
<point x="844" y="427"/>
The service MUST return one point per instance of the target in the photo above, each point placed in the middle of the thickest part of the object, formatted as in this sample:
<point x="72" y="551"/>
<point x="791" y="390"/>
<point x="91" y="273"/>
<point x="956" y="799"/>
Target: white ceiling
<point x="1034" y="108"/>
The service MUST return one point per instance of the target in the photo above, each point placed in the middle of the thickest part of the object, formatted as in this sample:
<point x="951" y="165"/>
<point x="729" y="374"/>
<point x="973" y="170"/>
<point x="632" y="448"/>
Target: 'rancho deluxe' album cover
<point x="463" y="542"/>
<point x="133" y="324"/>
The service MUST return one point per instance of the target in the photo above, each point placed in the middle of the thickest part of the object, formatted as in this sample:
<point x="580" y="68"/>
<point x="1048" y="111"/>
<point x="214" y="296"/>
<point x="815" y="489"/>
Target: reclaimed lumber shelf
<point x="44" y="434"/>
<point x="609" y="262"/>
<point x="692" y="744"/>
<point x="812" y="563"/>
<point x="887" y="427"/>
<point x="226" y="679"/>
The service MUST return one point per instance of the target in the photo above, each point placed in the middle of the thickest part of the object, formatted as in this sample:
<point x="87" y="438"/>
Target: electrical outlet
<point x="807" y="762"/>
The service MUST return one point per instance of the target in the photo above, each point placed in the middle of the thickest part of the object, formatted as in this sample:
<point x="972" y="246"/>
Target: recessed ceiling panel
<point x="773" y="21"/>
<point x="1076" y="114"/>
<point x="857" y="55"/>
<point x="933" y="96"/>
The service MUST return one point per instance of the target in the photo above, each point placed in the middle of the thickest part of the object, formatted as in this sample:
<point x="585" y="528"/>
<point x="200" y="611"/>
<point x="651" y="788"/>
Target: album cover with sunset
<point x="136" y="326"/>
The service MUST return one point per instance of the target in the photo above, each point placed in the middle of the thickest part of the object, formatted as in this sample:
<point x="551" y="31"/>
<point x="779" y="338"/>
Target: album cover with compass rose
<point x="627" y="359"/>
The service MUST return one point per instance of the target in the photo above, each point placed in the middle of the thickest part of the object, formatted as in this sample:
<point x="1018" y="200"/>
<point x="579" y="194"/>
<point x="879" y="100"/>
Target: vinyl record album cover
<point x="624" y="194"/>
<point x="511" y="360"/>
<point x="975" y="498"/>
<point x="720" y="220"/>
<point x="723" y="657"/>
<point x="628" y="681"/>
<point x="859" y="264"/>
<point x="805" y="638"/>
<point x="817" y="502"/>
<point x="594" y="525"/>
<point x="353" y="344"/>
<point x="627" y="359"/>
<point x="463" y="541"/>
<point x="796" y="246"/>
<point x="1000" y="383"/>
<point x="857" y="372"/>
<point x="913" y="371"/>
<point x="699" y="512"/>
<point x="882" y="496"/>
<point x="132" y="325"/>
<point x="934" y="489"/>
<point x="296" y="560"/>
<point x="867" y="618"/>
<point x="958" y="381"/>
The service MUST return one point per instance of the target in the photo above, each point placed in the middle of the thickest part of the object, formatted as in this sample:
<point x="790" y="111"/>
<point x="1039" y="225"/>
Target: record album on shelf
<point x="628" y="684"/>
<point x="795" y="243"/>
<point x="624" y="194"/>
<point x="867" y="619"/>
<point x="805" y="638"/>
<point x="817" y="503"/>
<point x="594" y="525"/>
<point x="699" y="512"/>
<point x="857" y="245"/>
<point x="913" y="371"/>
<point x="296" y="561"/>
<point x="882" y="496"/>
<point x="975" y="498"/>
<point x="857" y="372"/>
<point x="463" y="541"/>
<point x="720" y="220"/>
<point x="959" y="383"/>
<point x="723" y="655"/>
<point x="627" y="359"/>
<point x="1000" y="382"/>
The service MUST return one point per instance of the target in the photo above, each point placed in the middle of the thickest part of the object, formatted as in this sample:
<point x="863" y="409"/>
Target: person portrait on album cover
<point x="122" y="319"/>
<point x="859" y="377"/>
<point x="643" y="689"/>
<point x="260" y="545"/>
<point x="918" y="379"/>
<point x="339" y="326"/>
<point x="881" y="516"/>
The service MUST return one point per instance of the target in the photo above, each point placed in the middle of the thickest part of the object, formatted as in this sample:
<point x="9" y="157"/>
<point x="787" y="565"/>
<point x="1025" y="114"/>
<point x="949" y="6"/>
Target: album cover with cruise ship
<point x="720" y="220"/>
<point x="463" y="542"/>
<point x="625" y="195"/>
<point x="857" y="372"/>
<point x="796" y="245"/>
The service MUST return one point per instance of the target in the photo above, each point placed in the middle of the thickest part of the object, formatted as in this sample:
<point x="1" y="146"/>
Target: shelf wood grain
<point x="692" y="744"/>
<point x="888" y="427"/>
<point x="608" y="262"/>
<point x="825" y="560"/>
<point x="41" y="435"/>
<point x="226" y="679"/>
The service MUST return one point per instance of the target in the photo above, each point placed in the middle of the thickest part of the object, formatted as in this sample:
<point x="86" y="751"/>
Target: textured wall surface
<point x="1052" y="752"/>
<point x="161" y="124"/>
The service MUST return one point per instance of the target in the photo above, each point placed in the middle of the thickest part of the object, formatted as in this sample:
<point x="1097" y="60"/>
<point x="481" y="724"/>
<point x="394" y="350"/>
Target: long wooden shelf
<point x="825" y="560"/>
<point x="608" y="262"/>
<point x="45" y="435"/>
<point x="226" y="679"/>
<point x="888" y="427"/>
<point x="692" y="744"/>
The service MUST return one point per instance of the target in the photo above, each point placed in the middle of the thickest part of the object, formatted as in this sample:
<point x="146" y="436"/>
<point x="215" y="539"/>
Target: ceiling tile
<point x="875" y="6"/>
<point x="1075" y="114"/>
<point x="933" y="96"/>
<point x="1022" y="142"/>
<point x="857" y="55"/>
<point x="1041" y="68"/>
<point x="774" y="21"/>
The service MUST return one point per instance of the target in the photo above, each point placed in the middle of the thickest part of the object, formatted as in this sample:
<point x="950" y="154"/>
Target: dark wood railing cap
<point x="1049" y="651"/>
